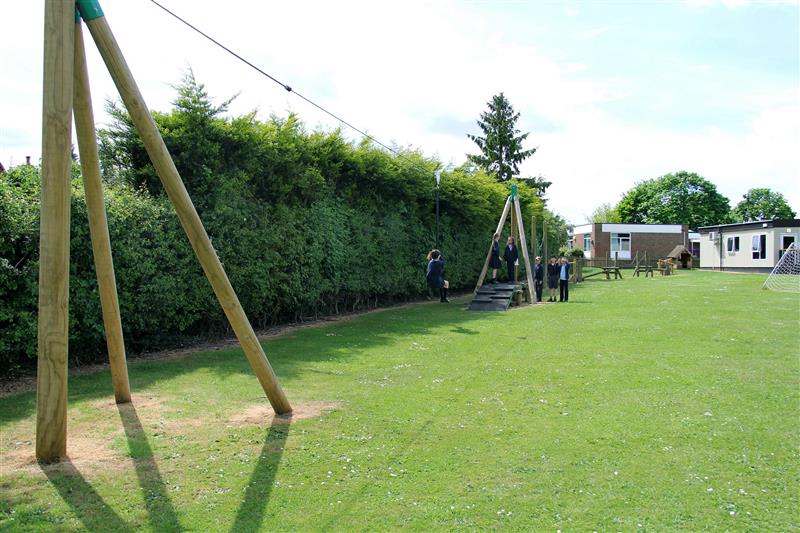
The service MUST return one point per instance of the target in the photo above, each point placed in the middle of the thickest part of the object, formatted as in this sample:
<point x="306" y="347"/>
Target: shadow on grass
<point x="291" y="354"/>
<point x="160" y="511"/>
<point x="88" y="506"/>
<point x="250" y="515"/>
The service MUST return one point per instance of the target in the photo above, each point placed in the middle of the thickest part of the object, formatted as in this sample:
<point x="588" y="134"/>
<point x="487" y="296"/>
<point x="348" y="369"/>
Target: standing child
<point x="494" y="260"/>
<point x="538" y="278"/>
<point x="552" y="278"/>
<point x="435" y="274"/>
<point x="511" y="255"/>
<point x="563" y="280"/>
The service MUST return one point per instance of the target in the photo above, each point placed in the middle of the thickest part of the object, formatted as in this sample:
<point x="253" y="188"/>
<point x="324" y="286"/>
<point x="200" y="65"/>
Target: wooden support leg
<point x="187" y="214"/>
<point x="53" y="335"/>
<point x="489" y="254"/>
<point x="524" y="246"/>
<point x="98" y="225"/>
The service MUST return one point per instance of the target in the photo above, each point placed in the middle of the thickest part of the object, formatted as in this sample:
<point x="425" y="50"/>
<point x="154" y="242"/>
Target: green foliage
<point x="501" y="147"/>
<point x="305" y="223"/>
<point x="566" y="251"/>
<point x="605" y="213"/>
<point x="680" y="198"/>
<point x="762" y="204"/>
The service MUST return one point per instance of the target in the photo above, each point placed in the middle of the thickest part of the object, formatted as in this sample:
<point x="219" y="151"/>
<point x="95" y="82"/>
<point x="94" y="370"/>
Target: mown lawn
<point x="643" y="404"/>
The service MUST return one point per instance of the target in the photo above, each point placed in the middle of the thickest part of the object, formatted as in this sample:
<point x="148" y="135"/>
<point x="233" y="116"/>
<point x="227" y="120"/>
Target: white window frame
<point x="587" y="242"/>
<point x="757" y="249"/>
<point x="620" y="247"/>
<point x="733" y="245"/>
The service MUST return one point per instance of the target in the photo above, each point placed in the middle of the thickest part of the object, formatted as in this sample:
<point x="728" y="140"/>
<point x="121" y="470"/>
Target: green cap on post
<point x="513" y="191"/>
<point x="89" y="9"/>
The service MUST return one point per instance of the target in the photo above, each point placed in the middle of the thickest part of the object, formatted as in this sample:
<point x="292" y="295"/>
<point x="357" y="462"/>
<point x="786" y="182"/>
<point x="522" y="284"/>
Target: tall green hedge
<point x="306" y="224"/>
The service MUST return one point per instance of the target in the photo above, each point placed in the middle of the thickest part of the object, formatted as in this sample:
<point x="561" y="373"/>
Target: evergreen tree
<point x="501" y="147"/>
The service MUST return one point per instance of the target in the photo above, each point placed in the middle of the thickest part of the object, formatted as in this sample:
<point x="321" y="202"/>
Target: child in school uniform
<point x="435" y="274"/>
<point x="511" y="255"/>
<point x="553" y="270"/>
<point x="494" y="260"/>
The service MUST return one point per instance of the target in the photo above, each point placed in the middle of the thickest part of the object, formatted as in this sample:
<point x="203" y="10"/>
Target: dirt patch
<point x="263" y="414"/>
<point x="139" y="401"/>
<point x="86" y="453"/>
<point x="89" y="445"/>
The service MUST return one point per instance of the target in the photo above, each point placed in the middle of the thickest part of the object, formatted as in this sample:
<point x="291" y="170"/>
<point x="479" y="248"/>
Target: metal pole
<point x="438" y="177"/>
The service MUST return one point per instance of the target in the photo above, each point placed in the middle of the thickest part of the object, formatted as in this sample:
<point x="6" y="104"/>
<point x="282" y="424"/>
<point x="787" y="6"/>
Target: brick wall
<point x="657" y="245"/>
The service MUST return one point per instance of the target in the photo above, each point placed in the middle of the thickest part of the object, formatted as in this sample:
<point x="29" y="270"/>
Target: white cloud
<point x="396" y="70"/>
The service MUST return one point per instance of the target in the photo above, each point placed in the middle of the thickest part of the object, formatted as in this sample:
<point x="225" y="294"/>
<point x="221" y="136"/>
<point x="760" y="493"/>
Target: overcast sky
<point x="611" y="92"/>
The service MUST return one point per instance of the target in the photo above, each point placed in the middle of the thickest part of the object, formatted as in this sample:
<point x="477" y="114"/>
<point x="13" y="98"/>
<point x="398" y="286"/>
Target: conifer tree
<point x="501" y="146"/>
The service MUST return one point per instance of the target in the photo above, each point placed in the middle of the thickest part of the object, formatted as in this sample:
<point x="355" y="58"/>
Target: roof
<point x="777" y="223"/>
<point x="678" y="251"/>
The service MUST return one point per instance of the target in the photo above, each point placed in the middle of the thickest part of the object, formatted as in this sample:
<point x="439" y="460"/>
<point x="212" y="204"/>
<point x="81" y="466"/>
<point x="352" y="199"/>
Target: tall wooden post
<point x="499" y="229"/>
<point x="545" y="251"/>
<point x="53" y="334"/>
<point x="98" y="225"/>
<point x="534" y="240"/>
<point x="187" y="214"/>
<point x="525" y="256"/>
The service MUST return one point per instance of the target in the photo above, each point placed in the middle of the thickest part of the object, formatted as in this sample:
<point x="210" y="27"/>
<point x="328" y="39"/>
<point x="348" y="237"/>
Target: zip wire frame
<point x="65" y="84"/>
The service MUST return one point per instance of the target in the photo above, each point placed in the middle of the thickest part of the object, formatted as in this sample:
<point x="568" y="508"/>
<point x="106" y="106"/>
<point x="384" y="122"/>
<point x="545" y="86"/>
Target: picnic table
<point x="608" y="271"/>
<point x="647" y="269"/>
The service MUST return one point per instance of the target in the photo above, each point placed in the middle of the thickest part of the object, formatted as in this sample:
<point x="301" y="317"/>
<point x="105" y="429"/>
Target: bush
<point x="565" y="251"/>
<point x="306" y="224"/>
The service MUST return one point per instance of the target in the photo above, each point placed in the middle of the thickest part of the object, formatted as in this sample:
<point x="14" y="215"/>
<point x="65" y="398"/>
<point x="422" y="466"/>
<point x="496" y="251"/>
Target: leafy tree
<point x="604" y="212"/>
<point x="762" y="204"/>
<point x="679" y="198"/>
<point x="538" y="184"/>
<point x="501" y="147"/>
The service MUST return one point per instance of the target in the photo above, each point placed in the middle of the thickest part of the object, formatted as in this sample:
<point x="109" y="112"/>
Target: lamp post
<point x="438" y="176"/>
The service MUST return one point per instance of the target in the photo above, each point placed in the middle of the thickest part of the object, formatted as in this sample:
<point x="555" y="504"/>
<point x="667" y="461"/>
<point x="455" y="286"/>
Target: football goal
<point x="786" y="274"/>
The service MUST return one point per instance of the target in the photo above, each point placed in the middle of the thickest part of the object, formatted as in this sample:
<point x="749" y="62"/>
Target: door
<point x="786" y="241"/>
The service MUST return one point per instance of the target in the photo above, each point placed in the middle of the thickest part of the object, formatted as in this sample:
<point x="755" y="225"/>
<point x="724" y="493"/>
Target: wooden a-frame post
<point x="53" y="325"/>
<point x="517" y="228"/>
<point x="498" y="231"/>
<point x="66" y="84"/>
<point x="98" y="224"/>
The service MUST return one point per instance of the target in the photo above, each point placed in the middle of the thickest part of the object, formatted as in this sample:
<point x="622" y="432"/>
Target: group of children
<point x="557" y="278"/>
<point x="557" y="271"/>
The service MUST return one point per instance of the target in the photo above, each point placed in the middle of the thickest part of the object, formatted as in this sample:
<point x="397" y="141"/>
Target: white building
<point x="747" y="247"/>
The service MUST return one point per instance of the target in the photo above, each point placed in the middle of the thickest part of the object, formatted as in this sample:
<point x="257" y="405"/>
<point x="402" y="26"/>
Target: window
<point x="587" y="242"/>
<point x="759" y="246"/>
<point x="733" y="245"/>
<point x="620" y="242"/>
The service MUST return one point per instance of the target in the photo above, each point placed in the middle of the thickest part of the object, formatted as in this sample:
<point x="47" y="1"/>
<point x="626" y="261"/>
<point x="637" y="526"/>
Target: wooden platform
<point x="493" y="297"/>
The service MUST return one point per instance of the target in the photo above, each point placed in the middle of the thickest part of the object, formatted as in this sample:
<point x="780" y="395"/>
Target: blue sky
<point x="611" y="92"/>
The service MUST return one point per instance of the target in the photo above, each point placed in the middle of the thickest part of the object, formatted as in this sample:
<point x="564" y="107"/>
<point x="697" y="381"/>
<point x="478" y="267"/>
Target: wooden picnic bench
<point x="647" y="269"/>
<point x="608" y="271"/>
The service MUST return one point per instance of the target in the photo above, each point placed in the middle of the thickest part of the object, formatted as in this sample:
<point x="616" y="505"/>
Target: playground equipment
<point x="518" y="232"/>
<point x="786" y="274"/>
<point x="66" y="91"/>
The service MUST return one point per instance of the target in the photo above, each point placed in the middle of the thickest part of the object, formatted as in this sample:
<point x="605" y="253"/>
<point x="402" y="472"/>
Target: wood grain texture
<point x="98" y="224"/>
<point x="187" y="214"/>
<point x="53" y="325"/>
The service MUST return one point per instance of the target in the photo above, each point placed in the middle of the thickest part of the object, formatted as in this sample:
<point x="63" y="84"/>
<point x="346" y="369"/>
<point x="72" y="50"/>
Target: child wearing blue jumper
<point x="435" y="274"/>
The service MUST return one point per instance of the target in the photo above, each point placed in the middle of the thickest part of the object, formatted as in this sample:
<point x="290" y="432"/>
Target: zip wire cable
<point x="288" y="88"/>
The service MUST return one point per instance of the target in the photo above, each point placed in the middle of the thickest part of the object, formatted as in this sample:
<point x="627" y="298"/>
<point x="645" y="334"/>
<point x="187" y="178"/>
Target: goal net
<point x="786" y="274"/>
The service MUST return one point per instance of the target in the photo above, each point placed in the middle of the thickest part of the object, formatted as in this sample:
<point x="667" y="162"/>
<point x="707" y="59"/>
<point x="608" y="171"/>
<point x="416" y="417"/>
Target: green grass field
<point x="643" y="404"/>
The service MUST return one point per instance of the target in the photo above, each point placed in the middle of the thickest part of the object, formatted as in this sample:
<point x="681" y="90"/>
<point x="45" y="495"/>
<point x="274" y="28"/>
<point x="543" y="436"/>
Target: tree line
<point x="687" y="198"/>
<point x="306" y="224"/>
